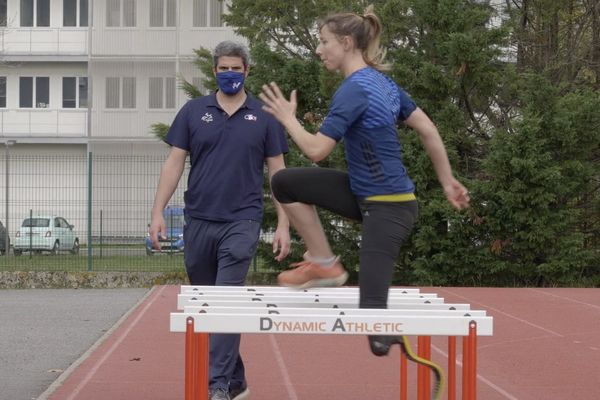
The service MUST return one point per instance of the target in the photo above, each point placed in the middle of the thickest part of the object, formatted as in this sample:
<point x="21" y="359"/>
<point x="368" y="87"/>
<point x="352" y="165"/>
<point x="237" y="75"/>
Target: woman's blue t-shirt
<point x="364" y="113"/>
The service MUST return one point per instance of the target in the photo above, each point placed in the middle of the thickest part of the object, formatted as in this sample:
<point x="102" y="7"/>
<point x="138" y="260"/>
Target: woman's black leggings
<point x="385" y="225"/>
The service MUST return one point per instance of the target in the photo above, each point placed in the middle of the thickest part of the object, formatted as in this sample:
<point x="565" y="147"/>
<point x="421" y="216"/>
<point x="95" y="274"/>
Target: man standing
<point x="228" y="138"/>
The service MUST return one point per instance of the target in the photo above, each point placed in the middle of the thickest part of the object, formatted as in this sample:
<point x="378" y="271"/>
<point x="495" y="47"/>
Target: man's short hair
<point x="229" y="48"/>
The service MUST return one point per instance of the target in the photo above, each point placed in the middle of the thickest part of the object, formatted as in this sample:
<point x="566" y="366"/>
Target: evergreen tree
<point x="520" y="123"/>
<point x="542" y="175"/>
<point x="449" y="57"/>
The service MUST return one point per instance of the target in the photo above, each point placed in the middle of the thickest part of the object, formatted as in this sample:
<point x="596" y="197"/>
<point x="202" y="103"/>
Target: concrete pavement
<point x="44" y="331"/>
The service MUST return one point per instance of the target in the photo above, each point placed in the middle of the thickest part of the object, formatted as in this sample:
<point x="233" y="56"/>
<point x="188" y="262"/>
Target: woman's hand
<point x="457" y="194"/>
<point x="276" y="104"/>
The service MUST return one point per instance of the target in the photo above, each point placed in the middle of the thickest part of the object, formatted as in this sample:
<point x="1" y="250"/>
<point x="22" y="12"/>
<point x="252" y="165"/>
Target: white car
<point x="46" y="233"/>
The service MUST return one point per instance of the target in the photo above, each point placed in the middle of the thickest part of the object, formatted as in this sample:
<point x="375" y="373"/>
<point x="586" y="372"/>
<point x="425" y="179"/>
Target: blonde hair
<point x="364" y="30"/>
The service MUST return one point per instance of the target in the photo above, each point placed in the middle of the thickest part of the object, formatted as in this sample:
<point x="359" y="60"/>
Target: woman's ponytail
<point x="373" y="54"/>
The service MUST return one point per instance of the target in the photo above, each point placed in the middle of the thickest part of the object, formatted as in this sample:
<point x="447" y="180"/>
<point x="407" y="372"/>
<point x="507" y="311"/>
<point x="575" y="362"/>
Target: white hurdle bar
<point x="265" y="309"/>
<point x="190" y="289"/>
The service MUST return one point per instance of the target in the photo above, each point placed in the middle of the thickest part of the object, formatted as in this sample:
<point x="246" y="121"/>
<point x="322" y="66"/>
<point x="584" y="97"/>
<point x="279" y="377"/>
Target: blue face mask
<point x="230" y="82"/>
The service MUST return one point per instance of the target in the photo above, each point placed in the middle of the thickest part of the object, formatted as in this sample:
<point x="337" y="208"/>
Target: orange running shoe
<point x="307" y="274"/>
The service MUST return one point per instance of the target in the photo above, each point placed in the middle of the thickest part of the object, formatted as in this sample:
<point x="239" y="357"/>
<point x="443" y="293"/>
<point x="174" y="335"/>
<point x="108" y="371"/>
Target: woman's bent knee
<point x="281" y="185"/>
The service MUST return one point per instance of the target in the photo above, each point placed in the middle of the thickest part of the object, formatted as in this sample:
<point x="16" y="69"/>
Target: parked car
<point x="3" y="245"/>
<point x="173" y="243"/>
<point x="46" y="233"/>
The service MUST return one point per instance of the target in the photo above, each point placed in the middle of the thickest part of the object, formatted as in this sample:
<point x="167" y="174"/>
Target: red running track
<point x="546" y="346"/>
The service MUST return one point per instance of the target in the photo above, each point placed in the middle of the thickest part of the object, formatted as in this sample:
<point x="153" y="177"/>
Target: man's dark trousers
<point x="219" y="253"/>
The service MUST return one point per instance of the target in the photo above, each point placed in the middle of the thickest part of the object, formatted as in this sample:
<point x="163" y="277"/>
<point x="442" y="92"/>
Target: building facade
<point x="92" y="76"/>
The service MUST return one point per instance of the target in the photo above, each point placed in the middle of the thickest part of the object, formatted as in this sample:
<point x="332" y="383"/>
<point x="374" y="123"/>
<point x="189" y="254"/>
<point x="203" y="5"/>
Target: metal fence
<point x="105" y="201"/>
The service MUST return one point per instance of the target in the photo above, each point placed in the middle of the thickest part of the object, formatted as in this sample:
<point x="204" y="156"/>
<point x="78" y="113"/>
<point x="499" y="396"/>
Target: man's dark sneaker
<point x="380" y="345"/>
<point x="242" y="393"/>
<point x="219" y="394"/>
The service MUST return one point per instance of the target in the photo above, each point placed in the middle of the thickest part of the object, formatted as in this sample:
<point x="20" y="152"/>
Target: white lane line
<point x="507" y="314"/>
<point x="65" y="375"/>
<point x="566" y="298"/>
<point x="505" y="342"/>
<point x="481" y="378"/>
<point x="284" y="372"/>
<point x="113" y="347"/>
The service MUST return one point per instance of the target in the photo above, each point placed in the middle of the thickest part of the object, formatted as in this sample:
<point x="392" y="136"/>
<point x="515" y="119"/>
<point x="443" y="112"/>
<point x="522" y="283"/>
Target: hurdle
<point x="278" y="310"/>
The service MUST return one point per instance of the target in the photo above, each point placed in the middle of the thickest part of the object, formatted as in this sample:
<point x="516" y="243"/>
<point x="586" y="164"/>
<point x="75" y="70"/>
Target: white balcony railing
<point x="146" y="42"/>
<point x="110" y="42"/>
<point x="43" y="122"/>
<point x="44" y="41"/>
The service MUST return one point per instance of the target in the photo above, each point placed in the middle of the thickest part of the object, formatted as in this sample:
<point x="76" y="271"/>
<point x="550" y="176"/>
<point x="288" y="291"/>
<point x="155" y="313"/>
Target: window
<point x="161" y="93"/>
<point x="25" y="92"/>
<point x="69" y="93"/>
<point x="120" y="92"/>
<point x="162" y="13"/>
<point x="215" y="8"/>
<point x="42" y="92"/>
<point x="121" y="13"/>
<point x="155" y="93"/>
<point x="113" y="92"/>
<point x="128" y="92"/>
<point x="2" y="92"/>
<point x="83" y="91"/>
<point x="113" y="13"/>
<point x="43" y="13"/>
<point x="3" y="13"/>
<point x="35" y="223"/>
<point x="128" y="12"/>
<point x="35" y="12"/>
<point x="74" y="92"/>
<point x="28" y="86"/>
<point x="207" y="13"/>
<point x="26" y="13"/>
<point x="170" y="92"/>
<point x="75" y="12"/>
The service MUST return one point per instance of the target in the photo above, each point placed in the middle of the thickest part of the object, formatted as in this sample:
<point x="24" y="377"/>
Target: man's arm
<point x="281" y="240"/>
<point x="455" y="192"/>
<point x="170" y="174"/>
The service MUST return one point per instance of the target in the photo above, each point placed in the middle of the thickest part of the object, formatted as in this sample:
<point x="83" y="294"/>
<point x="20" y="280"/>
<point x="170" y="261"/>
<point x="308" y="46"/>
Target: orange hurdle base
<point x="196" y="366"/>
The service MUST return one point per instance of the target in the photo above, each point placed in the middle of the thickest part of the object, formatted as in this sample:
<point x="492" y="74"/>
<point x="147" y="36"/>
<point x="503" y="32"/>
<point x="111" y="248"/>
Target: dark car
<point x="173" y="243"/>
<point x="3" y="245"/>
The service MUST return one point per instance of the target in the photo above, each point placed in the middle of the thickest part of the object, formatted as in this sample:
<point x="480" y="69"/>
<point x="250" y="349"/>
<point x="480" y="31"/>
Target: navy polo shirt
<point x="227" y="155"/>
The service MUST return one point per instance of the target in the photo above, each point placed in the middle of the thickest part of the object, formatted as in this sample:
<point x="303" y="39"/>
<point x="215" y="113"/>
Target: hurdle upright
<point x="276" y="310"/>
